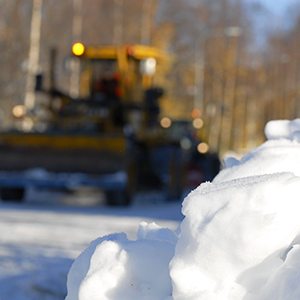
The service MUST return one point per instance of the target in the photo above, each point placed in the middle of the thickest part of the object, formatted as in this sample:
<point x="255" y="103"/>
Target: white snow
<point x="230" y="229"/>
<point x="40" y="240"/>
<point x="238" y="240"/>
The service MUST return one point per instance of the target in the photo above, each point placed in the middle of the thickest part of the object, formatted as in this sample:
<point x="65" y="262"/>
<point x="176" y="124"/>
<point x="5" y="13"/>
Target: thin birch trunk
<point x="34" y="53"/>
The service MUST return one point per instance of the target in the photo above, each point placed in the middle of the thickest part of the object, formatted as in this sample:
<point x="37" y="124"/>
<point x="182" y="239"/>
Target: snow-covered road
<point x="39" y="241"/>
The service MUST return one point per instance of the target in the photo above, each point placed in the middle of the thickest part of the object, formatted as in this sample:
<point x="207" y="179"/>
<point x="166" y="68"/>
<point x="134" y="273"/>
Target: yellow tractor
<point x="112" y="128"/>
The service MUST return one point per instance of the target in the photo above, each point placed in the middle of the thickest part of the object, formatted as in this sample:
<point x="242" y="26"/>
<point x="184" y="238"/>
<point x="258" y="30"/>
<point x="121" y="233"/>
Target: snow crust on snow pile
<point x="239" y="240"/>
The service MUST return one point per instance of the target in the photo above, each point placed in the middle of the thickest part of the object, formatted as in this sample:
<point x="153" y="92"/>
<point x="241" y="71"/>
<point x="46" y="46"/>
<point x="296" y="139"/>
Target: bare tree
<point x="34" y="52"/>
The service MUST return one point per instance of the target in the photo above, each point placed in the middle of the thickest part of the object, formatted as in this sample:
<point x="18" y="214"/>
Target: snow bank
<point x="230" y="229"/>
<point x="239" y="239"/>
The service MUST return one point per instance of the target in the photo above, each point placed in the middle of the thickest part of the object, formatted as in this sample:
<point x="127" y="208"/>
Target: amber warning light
<point x="78" y="49"/>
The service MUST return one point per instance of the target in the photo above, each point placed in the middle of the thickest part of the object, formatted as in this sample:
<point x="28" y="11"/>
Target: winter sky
<point x="278" y="7"/>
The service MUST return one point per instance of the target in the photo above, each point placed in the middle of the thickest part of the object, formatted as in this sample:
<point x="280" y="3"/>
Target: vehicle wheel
<point x="132" y="177"/>
<point x="175" y="176"/>
<point x="12" y="194"/>
<point x="117" y="198"/>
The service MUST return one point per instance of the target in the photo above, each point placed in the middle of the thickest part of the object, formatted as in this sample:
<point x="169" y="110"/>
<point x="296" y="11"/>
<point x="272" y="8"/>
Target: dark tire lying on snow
<point x="12" y="194"/>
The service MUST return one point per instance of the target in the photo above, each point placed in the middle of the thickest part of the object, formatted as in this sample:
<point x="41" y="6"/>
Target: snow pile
<point x="239" y="239"/>
<point x="114" y="267"/>
<point x="235" y="236"/>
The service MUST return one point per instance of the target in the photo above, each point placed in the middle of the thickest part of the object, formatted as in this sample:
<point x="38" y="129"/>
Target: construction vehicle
<point x="112" y="128"/>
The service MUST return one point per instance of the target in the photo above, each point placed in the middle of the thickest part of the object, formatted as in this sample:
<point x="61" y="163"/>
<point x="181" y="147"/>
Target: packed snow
<point x="41" y="238"/>
<point x="238" y="240"/>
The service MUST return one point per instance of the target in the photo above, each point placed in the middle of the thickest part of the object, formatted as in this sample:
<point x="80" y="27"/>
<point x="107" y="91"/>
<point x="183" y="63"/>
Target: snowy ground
<point x="40" y="238"/>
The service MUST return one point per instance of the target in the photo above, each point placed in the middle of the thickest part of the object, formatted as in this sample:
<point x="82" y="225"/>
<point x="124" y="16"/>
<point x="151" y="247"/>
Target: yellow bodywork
<point x="112" y="52"/>
<point x="123" y="55"/>
<point x="96" y="142"/>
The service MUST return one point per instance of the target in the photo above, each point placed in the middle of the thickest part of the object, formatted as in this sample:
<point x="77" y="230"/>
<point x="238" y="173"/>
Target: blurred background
<point x="206" y="77"/>
<point x="230" y="65"/>
<point x="248" y="51"/>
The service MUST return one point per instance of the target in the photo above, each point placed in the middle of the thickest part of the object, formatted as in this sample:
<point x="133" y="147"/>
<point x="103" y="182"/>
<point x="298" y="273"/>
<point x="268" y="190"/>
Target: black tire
<point x="12" y="194"/>
<point x="175" y="176"/>
<point x="132" y="177"/>
<point x="117" y="198"/>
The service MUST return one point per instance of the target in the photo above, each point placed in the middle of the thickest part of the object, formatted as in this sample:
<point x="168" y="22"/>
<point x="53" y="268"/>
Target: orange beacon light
<point x="78" y="49"/>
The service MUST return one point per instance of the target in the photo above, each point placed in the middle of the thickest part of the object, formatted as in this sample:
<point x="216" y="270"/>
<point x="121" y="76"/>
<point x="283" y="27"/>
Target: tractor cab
<point x="119" y="84"/>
